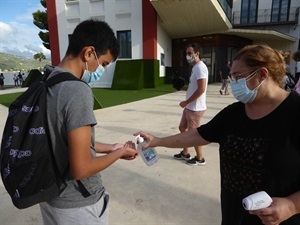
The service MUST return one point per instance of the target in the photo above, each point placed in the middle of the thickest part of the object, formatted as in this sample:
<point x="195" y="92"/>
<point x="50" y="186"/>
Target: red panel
<point x="149" y="30"/>
<point x="53" y="32"/>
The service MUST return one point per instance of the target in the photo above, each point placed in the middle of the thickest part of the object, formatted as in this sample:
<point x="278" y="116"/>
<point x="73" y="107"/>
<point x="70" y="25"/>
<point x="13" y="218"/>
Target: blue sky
<point x="18" y="34"/>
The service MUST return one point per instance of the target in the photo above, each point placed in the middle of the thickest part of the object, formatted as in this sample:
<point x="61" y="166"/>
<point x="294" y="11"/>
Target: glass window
<point x="162" y="59"/>
<point x="244" y="11"/>
<point x="249" y="11"/>
<point x="124" y="39"/>
<point x="280" y="10"/>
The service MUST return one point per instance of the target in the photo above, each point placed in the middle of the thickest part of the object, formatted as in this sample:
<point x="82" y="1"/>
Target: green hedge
<point x="136" y="74"/>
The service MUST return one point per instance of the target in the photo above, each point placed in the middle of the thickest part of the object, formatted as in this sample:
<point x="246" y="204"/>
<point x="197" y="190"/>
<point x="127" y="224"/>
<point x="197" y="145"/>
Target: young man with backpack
<point x="92" y="46"/>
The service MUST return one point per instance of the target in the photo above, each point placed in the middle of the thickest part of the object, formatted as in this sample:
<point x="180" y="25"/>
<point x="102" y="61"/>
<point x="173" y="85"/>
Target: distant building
<point x="160" y="29"/>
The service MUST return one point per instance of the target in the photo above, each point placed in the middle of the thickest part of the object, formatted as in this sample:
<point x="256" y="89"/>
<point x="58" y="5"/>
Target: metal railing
<point x="264" y="16"/>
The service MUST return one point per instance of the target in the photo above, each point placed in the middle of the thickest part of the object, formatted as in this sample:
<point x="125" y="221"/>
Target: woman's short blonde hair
<point x="262" y="55"/>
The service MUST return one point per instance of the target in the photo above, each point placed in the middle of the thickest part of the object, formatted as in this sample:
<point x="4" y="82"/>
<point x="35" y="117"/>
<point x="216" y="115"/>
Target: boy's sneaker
<point x="195" y="162"/>
<point x="182" y="156"/>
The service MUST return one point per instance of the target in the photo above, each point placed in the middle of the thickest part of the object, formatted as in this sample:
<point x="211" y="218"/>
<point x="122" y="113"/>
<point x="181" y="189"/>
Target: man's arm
<point x="201" y="83"/>
<point x="82" y="163"/>
<point x="107" y="148"/>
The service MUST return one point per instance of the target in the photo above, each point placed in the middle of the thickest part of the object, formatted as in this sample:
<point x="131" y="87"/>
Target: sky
<point x="18" y="34"/>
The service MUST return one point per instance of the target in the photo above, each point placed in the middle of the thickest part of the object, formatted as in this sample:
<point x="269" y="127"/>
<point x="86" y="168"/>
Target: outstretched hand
<point x="148" y="138"/>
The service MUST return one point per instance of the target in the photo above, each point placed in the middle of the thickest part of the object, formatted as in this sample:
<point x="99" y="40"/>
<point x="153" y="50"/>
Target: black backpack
<point x="178" y="81"/>
<point x="28" y="168"/>
<point x="290" y="82"/>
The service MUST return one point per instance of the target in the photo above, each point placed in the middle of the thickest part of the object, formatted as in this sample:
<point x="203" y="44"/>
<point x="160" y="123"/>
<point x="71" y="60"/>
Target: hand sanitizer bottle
<point x="149" y="154"/>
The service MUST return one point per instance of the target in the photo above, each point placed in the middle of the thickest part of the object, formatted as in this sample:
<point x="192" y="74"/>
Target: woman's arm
<point x="189" y="138"/>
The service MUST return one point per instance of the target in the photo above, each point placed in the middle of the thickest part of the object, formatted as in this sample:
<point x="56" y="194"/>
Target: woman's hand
<point x="280" y="210"/>
<point x="148" y="138"/>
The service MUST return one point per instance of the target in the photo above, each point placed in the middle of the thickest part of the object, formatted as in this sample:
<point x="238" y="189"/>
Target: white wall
<point x="9" y="77"/>
<point x="119" y="14"/>
<point x="164" y="45"/>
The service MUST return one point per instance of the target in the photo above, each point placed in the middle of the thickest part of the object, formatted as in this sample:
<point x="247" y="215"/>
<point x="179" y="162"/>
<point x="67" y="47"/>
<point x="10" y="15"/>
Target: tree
<point x="39" y="56"/>
<point x="41" y="21"/>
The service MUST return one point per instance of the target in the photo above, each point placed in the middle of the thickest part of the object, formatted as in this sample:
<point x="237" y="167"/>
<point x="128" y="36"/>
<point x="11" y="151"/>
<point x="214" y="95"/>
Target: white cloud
<point x="4" y="28"/>
<point x="21" y="39"/>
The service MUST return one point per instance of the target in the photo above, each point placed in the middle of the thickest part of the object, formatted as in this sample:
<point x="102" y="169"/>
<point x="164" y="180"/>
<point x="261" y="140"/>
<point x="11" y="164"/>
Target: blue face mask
<point x="90" y="77"/>
<point x="241" y="91"/>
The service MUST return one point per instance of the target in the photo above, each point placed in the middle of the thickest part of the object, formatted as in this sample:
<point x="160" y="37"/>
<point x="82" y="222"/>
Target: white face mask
<point x="241" y="91"/>
<point x="190" y="59"/>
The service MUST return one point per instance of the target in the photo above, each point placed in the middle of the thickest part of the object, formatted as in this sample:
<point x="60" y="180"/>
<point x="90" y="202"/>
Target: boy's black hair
<point x="93" y="33"/>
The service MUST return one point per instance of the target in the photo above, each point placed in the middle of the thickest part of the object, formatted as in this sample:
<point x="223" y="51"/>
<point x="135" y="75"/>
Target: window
<point x="162" y="59"/>
<point x="280" y="10"/>
<point x="124" y="39"/>
<point x="71" y="2"/>
<point x="249" y="11"/>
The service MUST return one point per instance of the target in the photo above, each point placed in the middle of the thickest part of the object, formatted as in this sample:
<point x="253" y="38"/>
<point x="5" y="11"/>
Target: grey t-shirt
<point x="70" y="106"/>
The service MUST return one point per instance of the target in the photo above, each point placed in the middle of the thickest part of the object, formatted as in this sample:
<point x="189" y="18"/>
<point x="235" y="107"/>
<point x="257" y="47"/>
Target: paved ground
<point x="167" y="193"/>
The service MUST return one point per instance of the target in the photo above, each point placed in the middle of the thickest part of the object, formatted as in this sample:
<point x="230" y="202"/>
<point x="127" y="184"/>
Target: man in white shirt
<point x="195" y="104"/>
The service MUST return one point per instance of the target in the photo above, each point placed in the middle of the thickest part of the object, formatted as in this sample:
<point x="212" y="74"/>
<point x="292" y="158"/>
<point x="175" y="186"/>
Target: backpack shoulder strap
<point x="58" y="78"/>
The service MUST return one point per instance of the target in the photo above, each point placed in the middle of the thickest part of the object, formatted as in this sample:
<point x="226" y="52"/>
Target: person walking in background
<point x="224" y="73"/>
<point x="16" y="80"/>
<point x="20" y="79"/>
<point x="1" y="81"/>
<point x="92" y="46"/>
<point x="289" y="80"/>
<point x="24" y="77"/>
<point x="195" y="104"/>
<point x="255" y="154"/>
<point x="296" y="57"/>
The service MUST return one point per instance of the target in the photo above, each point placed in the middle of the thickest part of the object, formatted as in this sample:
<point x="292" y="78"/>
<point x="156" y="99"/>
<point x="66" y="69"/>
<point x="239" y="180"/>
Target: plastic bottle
<point x="149" y="155"/>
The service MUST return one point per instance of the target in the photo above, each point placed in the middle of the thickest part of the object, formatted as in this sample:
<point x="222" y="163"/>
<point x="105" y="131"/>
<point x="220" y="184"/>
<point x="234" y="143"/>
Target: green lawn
<point x="108" y="97"/>
<point x="8" y="98"/>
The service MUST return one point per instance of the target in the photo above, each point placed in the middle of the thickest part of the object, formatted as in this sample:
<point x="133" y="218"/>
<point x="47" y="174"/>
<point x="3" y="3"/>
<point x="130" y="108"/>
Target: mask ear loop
<point x="255" y="89"/>
<point x="252" y="75"/>
<point x="97" y="58"/>
<point x="259" y="85"/>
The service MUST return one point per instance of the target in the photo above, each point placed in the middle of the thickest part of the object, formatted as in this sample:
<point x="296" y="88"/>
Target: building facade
<point x="161" y="29"/>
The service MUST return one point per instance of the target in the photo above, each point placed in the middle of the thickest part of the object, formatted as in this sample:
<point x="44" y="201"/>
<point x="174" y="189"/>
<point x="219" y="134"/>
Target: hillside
<point x="10" y="62"/>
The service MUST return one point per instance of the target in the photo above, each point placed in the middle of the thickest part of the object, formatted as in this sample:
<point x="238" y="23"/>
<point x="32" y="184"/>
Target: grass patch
<point x="108" y="97"/>
<point x="7" y="99"/>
